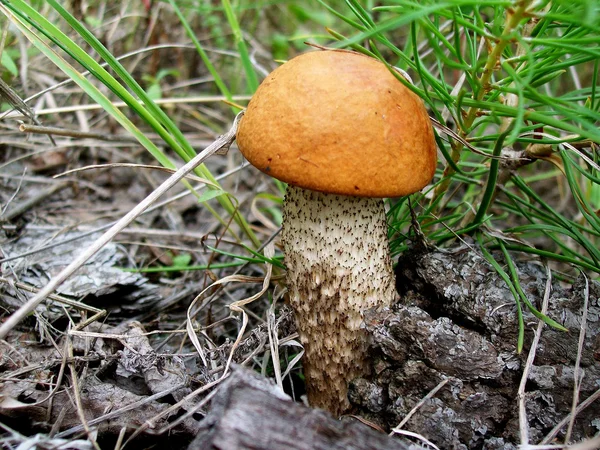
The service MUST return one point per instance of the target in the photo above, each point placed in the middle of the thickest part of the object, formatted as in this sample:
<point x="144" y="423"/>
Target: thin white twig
<point x="274" y="345"/>
<point x="588" y="444"/>
<point x="583" y="405"/>
<point x="577" y="378"/>
<point x="398" y="428"/>
<point x="416" y="436"/>
<point x="160" y="101"/>
<point x="591" y="444"/>
<point x="523" y="422"/>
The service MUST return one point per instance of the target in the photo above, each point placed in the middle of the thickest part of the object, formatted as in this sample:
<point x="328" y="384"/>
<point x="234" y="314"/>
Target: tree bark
<point x="250" y="412"/>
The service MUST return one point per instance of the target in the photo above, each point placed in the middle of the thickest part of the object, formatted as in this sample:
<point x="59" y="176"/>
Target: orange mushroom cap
<point x="339" y="122"/>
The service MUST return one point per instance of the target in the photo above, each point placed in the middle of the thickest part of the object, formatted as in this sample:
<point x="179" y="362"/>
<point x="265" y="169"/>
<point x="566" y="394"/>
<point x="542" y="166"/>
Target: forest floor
<point x="164" y="336"/>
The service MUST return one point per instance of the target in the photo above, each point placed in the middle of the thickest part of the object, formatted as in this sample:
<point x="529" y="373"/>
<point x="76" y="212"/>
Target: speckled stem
<point x="338" y="265"/>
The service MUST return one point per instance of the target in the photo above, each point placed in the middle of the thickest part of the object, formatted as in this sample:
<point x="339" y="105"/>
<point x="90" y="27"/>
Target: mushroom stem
<point x="338" y="265"/>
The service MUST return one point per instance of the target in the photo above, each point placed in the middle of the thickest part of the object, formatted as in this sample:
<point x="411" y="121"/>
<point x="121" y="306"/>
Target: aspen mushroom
<point x="344" y="133"/>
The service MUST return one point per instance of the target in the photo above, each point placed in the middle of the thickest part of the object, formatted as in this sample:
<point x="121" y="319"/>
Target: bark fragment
<point x="249" y="412"/>
<point x="457" y="321"/>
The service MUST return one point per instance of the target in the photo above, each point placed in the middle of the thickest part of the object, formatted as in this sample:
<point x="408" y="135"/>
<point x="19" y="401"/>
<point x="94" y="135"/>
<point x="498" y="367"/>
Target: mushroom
<point x="344" y="133"/>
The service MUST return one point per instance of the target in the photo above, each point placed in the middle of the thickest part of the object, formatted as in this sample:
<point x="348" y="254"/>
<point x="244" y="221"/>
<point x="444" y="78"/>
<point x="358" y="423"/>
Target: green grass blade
<point x="251" y="77"/>
<point x="490" y="188"/>
<point x="203" y="55"/>
<point x="515" y="279"/>
<point x="148" y="110"/>
<point x="500" y="271"/>
<point x="87" y="87"/>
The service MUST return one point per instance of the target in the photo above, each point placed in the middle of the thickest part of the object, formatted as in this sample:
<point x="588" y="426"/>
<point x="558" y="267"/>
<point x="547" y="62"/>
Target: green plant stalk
<point x="174" y="137"/>
<point x="82" y="82"/>
<point x="205" y="59"/>
<point x="553" y="256"/>
<point x="181" y="268"/>
<point x="582" y="203"/>
<point x="556" y="234"/>
<point x="515" y="279"/>
<point x="490" y="259"/>
<point x="593" y="251"/>
<point x="584" y="174"/>
<point x="584" y="129"/>
<point x="258" y="258"/>
<point x="181" y="146"/>
<point x="69" y="47"/>
<point x="490" y="190"/>
<point x="95" y="94"/>
<point x="251" y="77"/>
<point x="549" y="231"/>
<point x="512" y="21"/>
<point x="549" y="220"/>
